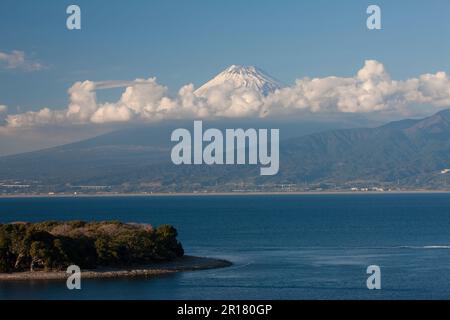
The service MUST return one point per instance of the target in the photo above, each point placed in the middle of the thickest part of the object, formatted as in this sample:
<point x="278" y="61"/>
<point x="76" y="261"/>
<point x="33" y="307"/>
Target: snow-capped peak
<point x="242" y="77"/>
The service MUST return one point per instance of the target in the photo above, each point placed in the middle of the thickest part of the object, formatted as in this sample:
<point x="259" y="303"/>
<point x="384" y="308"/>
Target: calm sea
<point x="282" y="246"/>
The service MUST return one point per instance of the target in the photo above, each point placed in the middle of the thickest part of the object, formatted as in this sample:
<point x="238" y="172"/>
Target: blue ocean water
<point x="282" y="246"/>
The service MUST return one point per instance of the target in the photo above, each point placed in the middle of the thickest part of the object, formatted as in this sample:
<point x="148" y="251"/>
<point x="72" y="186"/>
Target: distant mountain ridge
<point x="407" y="154"/>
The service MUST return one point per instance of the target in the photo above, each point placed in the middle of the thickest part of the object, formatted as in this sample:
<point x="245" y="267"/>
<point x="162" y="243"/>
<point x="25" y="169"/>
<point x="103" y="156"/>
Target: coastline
<point x="206" y="194"/>
<point x="184" y="264"/>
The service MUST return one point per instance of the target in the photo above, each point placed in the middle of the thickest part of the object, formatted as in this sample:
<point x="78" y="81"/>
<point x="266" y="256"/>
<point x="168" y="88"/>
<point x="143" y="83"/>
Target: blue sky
<point x="190" y="41"/>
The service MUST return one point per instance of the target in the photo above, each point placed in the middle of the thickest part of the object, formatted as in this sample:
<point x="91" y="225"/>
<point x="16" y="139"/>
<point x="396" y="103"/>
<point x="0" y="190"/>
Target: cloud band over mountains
<point x="370" y="91"/>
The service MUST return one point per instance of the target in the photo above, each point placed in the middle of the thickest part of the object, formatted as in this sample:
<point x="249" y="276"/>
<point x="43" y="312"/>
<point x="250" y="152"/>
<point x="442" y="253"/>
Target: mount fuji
<point x="242" y="77"/>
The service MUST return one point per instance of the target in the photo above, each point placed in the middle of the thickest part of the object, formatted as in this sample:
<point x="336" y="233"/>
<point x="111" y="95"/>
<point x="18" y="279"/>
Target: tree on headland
<point x="56" y="245"/>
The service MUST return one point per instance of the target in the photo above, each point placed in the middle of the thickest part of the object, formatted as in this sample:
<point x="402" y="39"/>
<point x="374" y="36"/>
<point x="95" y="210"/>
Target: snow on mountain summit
<point x="242" y="77"/>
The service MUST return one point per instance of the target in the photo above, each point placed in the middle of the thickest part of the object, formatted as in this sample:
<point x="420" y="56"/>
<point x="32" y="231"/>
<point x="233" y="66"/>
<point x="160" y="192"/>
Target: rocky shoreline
<point x="186" y="263"/>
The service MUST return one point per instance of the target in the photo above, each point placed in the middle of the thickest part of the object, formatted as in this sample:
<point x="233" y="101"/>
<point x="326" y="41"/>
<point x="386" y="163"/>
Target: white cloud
<point x="18" y="60"/>
<point x="370" y="91"/>
<point x="3" y="108"/>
